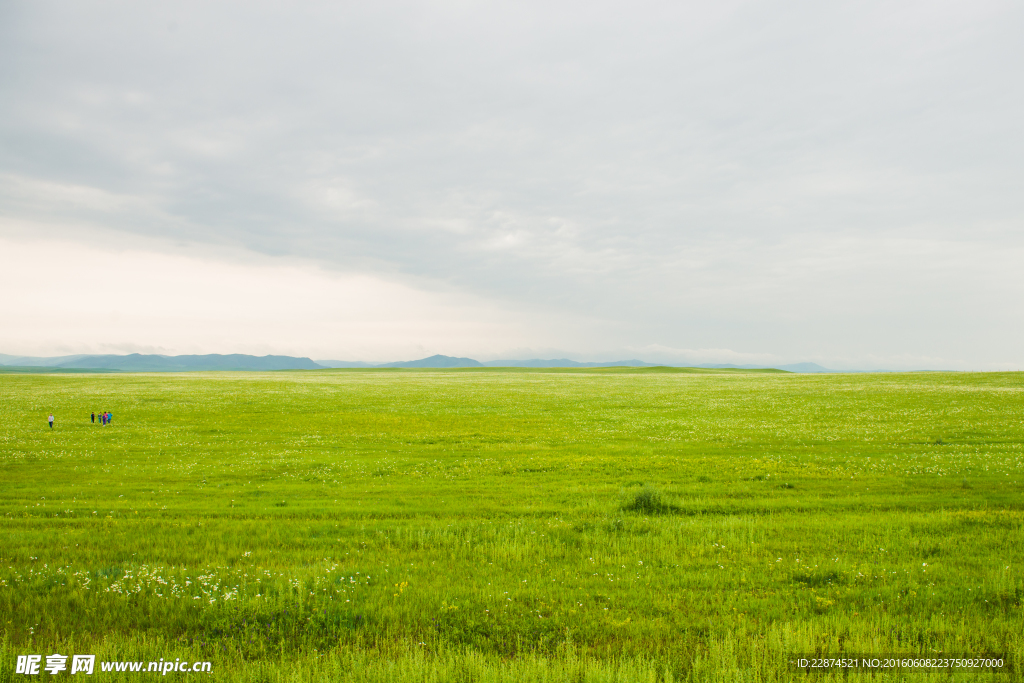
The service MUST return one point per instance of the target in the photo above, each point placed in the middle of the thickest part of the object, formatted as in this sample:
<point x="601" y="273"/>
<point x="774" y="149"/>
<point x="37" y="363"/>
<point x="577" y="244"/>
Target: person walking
<point x="93" y="416"/>
<point x="51" y="420"/>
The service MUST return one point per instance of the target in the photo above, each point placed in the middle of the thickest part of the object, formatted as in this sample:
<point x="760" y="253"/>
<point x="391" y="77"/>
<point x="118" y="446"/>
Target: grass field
<point x="619" y="525"/>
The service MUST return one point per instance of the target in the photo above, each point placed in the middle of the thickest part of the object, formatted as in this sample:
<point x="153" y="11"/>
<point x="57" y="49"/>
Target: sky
<point x="684" y="182"/>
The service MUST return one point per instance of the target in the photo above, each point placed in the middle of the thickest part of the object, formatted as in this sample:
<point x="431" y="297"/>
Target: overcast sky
<point x="749" y="182"/>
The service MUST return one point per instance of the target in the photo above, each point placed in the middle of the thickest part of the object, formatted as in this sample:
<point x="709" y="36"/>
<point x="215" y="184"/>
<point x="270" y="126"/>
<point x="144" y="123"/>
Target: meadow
<point x="602" y="525"/>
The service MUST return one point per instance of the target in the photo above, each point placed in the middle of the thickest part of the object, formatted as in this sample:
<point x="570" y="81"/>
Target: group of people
<point x="105" y="418"/>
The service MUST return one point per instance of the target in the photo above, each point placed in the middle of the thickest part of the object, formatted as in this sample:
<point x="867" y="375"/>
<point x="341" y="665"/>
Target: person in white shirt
<point x="51" y="420"/>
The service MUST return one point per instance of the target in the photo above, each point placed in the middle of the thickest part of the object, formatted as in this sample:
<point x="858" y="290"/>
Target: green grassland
<point x="490" y="525"/>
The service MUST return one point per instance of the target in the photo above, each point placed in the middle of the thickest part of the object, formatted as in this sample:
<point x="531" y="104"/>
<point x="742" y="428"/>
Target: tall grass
<point x="649" y="501"/>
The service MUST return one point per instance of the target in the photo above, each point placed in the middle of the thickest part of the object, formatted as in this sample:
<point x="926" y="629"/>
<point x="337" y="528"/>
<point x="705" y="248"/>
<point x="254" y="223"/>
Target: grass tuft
<point x="649" y="501"/>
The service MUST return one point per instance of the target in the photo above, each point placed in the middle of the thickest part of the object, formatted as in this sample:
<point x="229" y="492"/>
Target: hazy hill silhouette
<point x="137" y="362"/>
<point x="437" y="361"/>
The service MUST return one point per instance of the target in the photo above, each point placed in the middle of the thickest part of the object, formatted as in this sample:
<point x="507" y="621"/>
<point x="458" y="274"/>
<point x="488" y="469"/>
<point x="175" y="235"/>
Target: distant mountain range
<point x="436" y="362"/>
<point x="565" y="363"/>
<point x="136" y="362"/>
<point x="439" y="361"/>
<point x="793" y="367"/>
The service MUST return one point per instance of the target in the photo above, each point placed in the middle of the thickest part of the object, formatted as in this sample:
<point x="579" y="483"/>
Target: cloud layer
<point x="802" y="181"/>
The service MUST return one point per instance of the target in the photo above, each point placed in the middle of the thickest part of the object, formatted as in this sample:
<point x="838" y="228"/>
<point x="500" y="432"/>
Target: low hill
<point x="37" y="361"/>
<point x="46" y="370"/>
<point x="437" y="361"/>
<point x="805" y="367"/>
<point x="793" y="367"/>
<point x="565" y="363"/>
<point x="344" y="364"/>
<point x="137" y="362"/>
